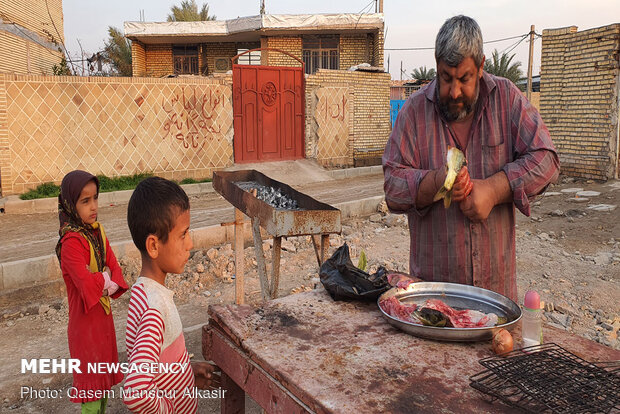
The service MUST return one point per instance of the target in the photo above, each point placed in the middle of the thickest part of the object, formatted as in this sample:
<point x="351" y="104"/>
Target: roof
<point x="252" y="28"/>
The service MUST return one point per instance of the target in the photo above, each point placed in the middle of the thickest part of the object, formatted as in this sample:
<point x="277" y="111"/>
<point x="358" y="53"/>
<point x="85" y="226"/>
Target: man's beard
<point x="449" y="109"/>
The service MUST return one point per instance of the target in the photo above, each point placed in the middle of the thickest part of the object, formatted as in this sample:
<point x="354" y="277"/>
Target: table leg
<point x="316" y="250"/>
<point x="239" y="236"/>
<point x="324" y="247"/>
<point x="260" y="259"/>
<point x="234" y="397"/>
<point x="275" y="267"/>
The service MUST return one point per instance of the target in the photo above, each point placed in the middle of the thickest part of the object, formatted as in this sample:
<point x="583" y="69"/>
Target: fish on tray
<point x="436" y="313"/>
<point x="455" y="160"/>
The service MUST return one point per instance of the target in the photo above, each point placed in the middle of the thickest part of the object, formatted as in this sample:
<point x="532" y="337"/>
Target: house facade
<point x="31" y="34"/>
<point x="329" y="93"/>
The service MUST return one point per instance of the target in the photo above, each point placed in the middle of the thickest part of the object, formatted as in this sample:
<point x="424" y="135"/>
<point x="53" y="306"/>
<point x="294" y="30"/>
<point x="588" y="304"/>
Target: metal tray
<point x="459" y="297"/>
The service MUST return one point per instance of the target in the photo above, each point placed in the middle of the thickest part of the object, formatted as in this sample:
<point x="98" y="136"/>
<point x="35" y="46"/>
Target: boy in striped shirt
<point x="161" y="378"/>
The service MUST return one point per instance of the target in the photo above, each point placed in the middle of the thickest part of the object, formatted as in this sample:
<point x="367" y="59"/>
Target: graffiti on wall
<point x="191" y="116"/>
<point x="334" y="108"/>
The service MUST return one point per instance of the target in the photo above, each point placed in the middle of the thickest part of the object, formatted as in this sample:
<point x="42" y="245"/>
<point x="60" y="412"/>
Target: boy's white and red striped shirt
<point x="155" y="336"/>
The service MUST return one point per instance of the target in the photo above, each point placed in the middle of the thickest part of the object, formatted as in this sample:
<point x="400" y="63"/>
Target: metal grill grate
<point x="548" y="378"/>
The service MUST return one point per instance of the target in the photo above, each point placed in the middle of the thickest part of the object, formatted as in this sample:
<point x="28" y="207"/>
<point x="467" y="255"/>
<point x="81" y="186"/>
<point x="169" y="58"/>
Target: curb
<point x="40" y="272"/>
<point x="14" y="205"/>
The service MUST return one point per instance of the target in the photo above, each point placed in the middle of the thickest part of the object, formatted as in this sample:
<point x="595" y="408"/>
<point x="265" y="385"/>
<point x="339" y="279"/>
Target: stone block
<point x="29" y="272"/>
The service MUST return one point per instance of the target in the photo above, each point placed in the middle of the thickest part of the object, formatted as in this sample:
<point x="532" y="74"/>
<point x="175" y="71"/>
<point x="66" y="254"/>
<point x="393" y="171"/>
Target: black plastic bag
<point x="343" y="280"/>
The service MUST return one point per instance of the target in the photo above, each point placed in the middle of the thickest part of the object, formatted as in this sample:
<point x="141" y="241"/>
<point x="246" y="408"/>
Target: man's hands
<point x="485" y="195"/>
<point x="205" y="376"/>
<point x="462" y="185"/>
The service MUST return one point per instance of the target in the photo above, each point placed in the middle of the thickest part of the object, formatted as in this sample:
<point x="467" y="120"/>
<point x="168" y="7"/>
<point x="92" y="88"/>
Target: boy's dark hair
<point x="153" y="208"/>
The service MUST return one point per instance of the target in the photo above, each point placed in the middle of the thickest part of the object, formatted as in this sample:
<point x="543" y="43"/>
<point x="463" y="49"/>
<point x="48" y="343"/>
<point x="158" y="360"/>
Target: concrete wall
<point x="31" y="31"/>
<point x="579" y="90"/>
<point x="50" y="125"/>
<point x="361" y="113"/>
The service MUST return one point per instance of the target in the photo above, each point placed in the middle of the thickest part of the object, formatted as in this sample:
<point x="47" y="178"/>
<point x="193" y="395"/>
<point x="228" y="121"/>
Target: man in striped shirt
<point x="510" y="157"/>
<point x="160" y="378"/>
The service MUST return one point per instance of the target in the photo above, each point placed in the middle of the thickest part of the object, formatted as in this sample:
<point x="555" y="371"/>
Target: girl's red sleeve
<point x="74" y="259"/>
<point x="117" y="272"/>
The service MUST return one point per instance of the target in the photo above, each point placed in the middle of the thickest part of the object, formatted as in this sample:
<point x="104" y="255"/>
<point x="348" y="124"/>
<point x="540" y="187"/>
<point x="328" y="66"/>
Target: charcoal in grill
<point x="272" y="196"/>
<point x="549" y="379"/>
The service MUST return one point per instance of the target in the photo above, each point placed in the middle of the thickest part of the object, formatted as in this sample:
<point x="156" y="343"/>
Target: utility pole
<point x="262" y="7"/>
<point x="528" y="91"/>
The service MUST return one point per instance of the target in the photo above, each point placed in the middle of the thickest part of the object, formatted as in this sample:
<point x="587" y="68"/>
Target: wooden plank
<point x="316" y="250"/>
<point x="275" y="266"/>
<point x="239" y="233"/>
<point x="324" y="247"/>
<point x="260" y="259"/>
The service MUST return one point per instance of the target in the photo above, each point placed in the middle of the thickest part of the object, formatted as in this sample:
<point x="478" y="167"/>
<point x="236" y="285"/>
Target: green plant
<point x="106" y="185"/>
<point x="362" y="264"/>
<point x="127" y="182"/>
<point x="61" y="68"/>
<point x="118" y="52"/>
<point x="423" y="74"/>
<point x="44" y="190"/>
<point x="503" y="66"/>
<point x="188" y="12"/>
<point x="195" y="181"/>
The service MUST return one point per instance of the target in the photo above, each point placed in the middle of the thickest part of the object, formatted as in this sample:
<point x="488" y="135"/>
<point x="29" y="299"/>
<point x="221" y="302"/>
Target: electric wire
<point x="432" y="48"/>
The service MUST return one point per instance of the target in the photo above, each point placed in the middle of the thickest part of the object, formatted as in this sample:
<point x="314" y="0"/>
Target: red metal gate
<point x="268" y="109"/>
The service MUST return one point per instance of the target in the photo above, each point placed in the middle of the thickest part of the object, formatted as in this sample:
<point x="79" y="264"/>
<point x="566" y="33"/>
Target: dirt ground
<point x="566" y="250"/>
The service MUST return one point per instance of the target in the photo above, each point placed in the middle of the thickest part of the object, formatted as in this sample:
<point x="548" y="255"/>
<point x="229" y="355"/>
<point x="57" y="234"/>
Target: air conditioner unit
<point x="221" y="64"/>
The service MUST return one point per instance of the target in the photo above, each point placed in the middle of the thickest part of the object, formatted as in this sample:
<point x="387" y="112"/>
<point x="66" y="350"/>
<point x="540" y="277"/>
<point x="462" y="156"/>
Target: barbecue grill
<point x="275" y="215"/>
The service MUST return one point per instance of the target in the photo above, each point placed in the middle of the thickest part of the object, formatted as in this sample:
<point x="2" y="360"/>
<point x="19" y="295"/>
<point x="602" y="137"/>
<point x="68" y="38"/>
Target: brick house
<point x="337" y="115"/>
<point x="31" y="32"/>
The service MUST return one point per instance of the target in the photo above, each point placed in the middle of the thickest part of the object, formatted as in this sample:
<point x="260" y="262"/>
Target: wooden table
<point x="307" y="353"/>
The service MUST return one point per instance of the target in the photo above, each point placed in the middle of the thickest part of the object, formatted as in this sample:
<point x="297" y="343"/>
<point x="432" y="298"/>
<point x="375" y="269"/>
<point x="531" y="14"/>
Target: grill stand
<point x="312" y="218"/>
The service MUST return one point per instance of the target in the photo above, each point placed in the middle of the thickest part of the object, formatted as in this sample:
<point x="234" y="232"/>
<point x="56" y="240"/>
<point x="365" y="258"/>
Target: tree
<point x="503" y="66"/>
<point x="188" y="12"/>
<point x="423" y="74"/>
<point x="61" y="68"/>
<point x="118" y="52"/>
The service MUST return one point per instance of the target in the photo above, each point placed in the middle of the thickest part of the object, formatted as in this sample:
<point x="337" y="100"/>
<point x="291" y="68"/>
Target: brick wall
<point x="29" y="41"/>
<point x="138" y="59"/>
<point x="378" y="48"/>
<point x="371" y="126"/>
<point x="34" y="16"/>
<point x="290" y="44"/>
<point x="355" y="49"/>
<point x="50" y="125"/>
<point x="219" y="50"/>
<point x="579" y="98"/>
<point x="158" y="60"/>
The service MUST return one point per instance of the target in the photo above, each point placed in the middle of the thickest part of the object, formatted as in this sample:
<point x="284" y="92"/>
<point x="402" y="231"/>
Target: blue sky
<point x="408" y="23"/>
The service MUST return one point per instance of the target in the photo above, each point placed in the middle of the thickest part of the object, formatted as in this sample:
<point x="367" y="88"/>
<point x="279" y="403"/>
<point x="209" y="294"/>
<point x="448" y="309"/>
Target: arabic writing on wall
<point x="335" y="110"/>
<point x="191" y="116"/>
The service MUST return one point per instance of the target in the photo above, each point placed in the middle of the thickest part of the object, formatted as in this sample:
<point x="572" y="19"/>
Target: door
<point x="268" y="108"/>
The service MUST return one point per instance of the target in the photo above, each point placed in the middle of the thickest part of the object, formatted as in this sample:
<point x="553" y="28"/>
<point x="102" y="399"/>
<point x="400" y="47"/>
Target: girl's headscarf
<point x="70" y="190"/>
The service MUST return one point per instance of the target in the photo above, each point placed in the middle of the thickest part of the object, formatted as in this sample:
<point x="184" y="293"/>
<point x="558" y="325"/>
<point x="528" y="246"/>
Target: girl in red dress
<point x="92" y="276"/>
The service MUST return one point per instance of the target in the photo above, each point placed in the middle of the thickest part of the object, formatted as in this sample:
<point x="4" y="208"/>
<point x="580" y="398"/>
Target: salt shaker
<point x="531" y="321"/>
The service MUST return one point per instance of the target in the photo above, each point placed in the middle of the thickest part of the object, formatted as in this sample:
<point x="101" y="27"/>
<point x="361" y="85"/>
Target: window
<point x="252" y="58"/>
<point x="320" y="52"/>
<point x="185" y="59"/>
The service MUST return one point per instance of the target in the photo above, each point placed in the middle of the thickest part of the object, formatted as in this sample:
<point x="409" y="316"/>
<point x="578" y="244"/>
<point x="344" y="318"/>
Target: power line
<point x="432" y="48"/>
